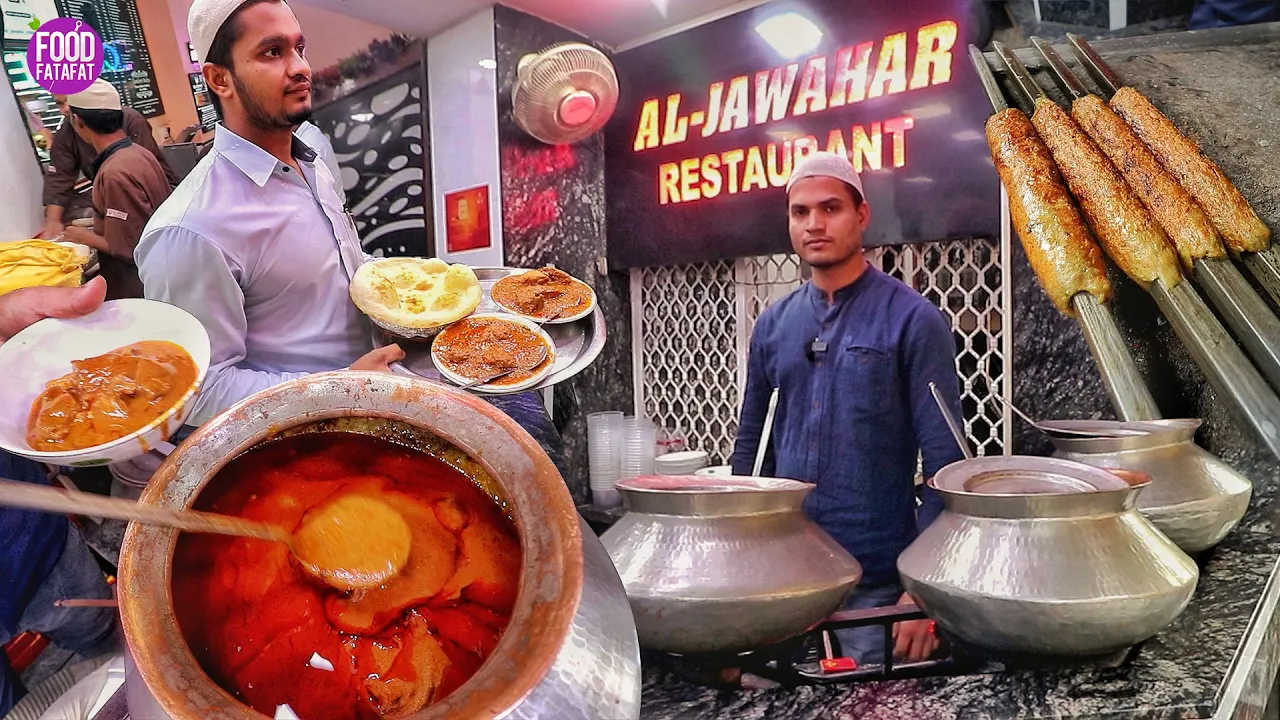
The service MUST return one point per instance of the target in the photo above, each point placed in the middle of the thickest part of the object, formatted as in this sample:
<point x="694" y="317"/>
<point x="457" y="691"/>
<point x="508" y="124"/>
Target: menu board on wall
<point x="204" y="105"/>
<point x="712" y="120"/>
<point x="21" y="18"/>
<point x="128" y="64"/>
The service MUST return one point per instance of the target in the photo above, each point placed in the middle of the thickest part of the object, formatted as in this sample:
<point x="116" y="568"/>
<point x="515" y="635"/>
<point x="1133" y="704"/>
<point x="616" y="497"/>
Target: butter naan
<point x="415" y="293"/>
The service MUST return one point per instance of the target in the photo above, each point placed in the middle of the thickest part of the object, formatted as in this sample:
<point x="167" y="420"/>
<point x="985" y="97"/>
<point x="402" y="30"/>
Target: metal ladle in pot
<point x="951" y="421"/>
<point x="352" y="542"/>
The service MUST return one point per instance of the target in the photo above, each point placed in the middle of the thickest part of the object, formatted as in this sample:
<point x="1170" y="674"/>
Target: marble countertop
<point x="1181" y="673"/>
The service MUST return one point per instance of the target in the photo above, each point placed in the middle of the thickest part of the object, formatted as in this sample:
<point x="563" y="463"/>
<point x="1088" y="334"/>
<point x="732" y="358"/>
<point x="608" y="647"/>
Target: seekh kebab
<point x="1122" y="225"/>
<point x="1194" y="238"/>
<point x="1227" y="209"/>
<point x="1184" y="221"/>
<point x="1058" y="245"/>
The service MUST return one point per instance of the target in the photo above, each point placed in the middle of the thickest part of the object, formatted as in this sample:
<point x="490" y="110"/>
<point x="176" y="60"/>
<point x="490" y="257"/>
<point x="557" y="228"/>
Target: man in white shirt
<point x="255" y="242"/>
<point x="315" y="138"/>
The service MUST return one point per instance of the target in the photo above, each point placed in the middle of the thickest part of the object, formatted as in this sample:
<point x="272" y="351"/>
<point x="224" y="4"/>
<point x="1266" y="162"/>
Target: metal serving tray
<point x="578" y="343"/>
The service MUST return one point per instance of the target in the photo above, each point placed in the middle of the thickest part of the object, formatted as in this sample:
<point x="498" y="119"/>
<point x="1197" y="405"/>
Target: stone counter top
<point x="1219" y="659"/>
<point x="1190" y="670"/>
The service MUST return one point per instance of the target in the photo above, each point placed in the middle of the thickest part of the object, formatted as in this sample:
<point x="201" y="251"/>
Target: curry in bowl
<point x="107" y="397"/>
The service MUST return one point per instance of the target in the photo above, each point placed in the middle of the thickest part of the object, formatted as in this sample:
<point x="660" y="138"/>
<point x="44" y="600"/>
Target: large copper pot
<point x="570" y="650"/>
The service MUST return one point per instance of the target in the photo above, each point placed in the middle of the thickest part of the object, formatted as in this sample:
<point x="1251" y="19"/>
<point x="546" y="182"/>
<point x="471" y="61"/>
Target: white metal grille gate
<point x="691" y="328"/>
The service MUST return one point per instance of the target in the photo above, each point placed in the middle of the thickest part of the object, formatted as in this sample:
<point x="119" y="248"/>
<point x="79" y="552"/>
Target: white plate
<point x="533" y="380"/>
<point x="44" y="351"/>
<point x="591" y="306"/>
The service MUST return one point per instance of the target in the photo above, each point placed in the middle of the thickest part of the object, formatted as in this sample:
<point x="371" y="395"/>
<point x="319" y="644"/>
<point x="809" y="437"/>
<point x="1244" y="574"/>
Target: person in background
<point x="1226" y="13"/>
<point x="43" y="557"/>
<point x="71" y="156"/>
<point x="129" y="184"/>
<point x="851" y="354"/>
<point x="255" y="242"/>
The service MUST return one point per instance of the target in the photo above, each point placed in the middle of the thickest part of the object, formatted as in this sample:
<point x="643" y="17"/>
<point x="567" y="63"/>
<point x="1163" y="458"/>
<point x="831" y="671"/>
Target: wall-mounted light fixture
<point x="790" y="34"/>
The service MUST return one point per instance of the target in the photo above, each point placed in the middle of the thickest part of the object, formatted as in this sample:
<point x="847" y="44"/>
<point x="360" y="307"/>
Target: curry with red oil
<point x="271" y="635"/>
<point x="107" y="397"/>
<point x="477" y="348"/>
<point x="544" y="293"/>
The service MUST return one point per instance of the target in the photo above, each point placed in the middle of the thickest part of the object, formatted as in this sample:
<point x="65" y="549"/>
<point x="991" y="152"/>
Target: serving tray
<point x="578" y="343"/>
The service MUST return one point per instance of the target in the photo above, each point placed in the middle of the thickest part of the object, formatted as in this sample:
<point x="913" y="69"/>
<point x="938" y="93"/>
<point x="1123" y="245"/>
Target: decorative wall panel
<point x="377" y="137"/>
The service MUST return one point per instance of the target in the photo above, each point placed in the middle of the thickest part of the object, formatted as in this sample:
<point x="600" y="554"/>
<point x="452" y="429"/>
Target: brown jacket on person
<point x="129" y="186"/>
<point x="70" y="156"/>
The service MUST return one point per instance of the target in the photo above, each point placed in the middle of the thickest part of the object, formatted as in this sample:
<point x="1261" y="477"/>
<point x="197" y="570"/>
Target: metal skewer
<point x="1257" y="328"/>
<point x="1264" y="266"/>
<point x="1214" y="352"/>
<point x="1125" y="387"/>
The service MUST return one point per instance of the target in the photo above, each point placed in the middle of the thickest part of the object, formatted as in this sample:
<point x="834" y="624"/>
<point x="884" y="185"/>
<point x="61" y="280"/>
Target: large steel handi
<point x="725" y="564"/>
<point x="570" y="650"/>
<point x="1047" y="557"/>
<point x="1194" y="498"/>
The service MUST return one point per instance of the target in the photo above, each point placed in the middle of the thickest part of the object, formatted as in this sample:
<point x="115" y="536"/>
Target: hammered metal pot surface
<point x="543" y="666"/>
<point x="1194" y="498"/>
<point x="1043" y="556"/>
<point x="725" y="564"/>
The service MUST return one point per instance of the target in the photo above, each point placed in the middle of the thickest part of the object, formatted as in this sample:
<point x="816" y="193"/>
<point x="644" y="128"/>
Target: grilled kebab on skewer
<point x="1058" y="245"/>
<point x="1141" y="249"/>
<point x="1194" y="238"/>
<point x="1186" y="224"/>
<point x="1227" y="209"/>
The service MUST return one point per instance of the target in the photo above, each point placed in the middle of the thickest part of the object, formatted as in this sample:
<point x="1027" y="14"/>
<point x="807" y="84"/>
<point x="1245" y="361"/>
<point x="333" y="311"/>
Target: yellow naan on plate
<point x="415" y="293"/>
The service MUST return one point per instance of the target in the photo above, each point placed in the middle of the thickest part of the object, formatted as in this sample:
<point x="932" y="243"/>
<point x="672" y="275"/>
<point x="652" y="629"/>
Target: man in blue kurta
<point x="851" y="354"/>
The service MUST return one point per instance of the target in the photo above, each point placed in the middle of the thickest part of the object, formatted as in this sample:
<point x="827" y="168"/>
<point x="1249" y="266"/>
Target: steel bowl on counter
<point x="1194" y="498"/>
<point x="1045" y="557"/>
<point x="714" y="564"/>
<point x="570" y="649"/>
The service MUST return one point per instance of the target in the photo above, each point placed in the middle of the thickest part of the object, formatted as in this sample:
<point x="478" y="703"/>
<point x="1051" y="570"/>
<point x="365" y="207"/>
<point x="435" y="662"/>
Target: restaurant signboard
<point x="712" y="120"/>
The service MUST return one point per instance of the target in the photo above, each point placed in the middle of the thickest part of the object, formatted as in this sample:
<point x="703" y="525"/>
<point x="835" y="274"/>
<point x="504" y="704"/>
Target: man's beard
<point x="825" y="264"/>
<point x="263" y="120"/>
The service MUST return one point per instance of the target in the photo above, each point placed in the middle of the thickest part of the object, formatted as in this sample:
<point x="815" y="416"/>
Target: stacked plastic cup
<point x="604" y="456"/>
<point x="639" y="447"/>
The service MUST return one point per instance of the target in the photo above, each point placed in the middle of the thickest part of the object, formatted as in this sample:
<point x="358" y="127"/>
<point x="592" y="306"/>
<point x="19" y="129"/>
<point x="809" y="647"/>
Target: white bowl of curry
<point x="103" y="388"/>
<point x="482" y="345"/>
<point x="546" y="295"/>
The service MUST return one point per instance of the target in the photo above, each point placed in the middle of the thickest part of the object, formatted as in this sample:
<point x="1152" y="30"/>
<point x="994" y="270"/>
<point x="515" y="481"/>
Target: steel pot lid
<point x="1021" y="486"/>
<point x="1118" y="436"/>
<point x="712" y="496"/>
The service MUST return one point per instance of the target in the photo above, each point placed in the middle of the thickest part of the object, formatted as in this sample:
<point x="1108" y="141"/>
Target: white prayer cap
<point x="101" y="95"/>
<point x="826" y="164"/>
<point x="205" y="19"/>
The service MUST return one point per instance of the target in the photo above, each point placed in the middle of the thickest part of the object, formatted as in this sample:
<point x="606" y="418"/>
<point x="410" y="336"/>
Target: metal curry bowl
<point x="1194" y="497"/>
<point x="1045" y="557"/>
<point x="570" y="649"/>
<point x="716" y="564"/>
